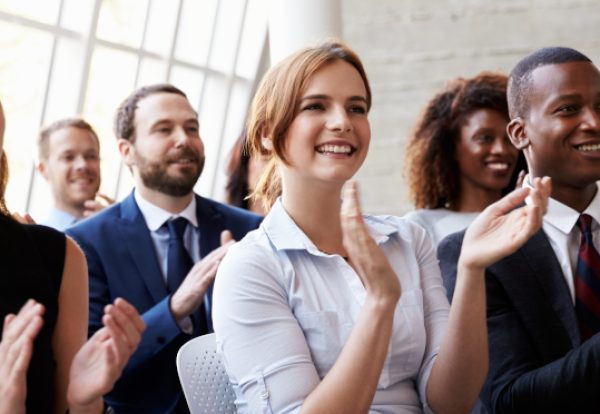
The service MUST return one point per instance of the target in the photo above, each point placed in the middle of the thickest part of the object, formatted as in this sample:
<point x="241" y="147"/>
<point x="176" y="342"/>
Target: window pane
<point x="152" y="71"/>
<point x="45" y="11"/>
<point x="211" y="121"/>
<point x="161" y="26"/>
<point x="234" y="124"/>
<point x="189" y="81"/>
<point x="77" y="15"/>
<point x="229" y="21"/>
<point x="122" y="21"/>
<point x="24" y="65"/>
<point x="195" y="31"/>
<point x="65" y="81"/>
<point x="253" y="38"/>
<point x="111" y="79"/>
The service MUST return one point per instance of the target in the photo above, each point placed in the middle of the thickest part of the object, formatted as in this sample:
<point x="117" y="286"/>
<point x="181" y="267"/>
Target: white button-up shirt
<point x="283" y="311"/>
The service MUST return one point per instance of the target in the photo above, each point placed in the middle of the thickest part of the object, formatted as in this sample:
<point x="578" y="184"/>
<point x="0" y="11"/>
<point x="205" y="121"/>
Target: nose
<point x="338" y="120"/>
<point x="501" y="145"/>
<point x="180" y="136"/>
<point x="592" y="120"/>
<point x="81" y="162"/>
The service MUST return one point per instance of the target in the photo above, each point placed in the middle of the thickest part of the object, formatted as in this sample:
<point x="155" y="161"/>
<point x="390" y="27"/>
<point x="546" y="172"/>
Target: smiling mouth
<point x="335" y="149"/>
<point x="588" y="147"/>
<point x="498" y="166"/>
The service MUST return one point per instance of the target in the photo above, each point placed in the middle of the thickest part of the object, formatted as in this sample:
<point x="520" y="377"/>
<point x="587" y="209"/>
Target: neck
<point x="317" y="212"/>
<point x="74" y="210"/>
<point x="475" y="199"/>
<point x="576" y="198"/>
<point x="167" y="202"/>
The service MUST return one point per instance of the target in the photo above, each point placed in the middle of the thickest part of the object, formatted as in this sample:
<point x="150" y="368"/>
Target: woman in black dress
<point x="46" y="365"/>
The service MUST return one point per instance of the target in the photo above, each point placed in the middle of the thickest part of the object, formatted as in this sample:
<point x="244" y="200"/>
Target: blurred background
<point x="64" y="58"/>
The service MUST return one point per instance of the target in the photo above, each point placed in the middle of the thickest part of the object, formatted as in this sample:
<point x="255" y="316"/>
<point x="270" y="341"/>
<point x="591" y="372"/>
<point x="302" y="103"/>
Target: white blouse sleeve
<point x="263" y="347"/>
<point x="435" y="306"/>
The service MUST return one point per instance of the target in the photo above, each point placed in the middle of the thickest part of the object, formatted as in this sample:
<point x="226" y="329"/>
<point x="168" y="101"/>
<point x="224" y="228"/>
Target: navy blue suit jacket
<point x="122" y="263"/>
<point x="537" y="361"/>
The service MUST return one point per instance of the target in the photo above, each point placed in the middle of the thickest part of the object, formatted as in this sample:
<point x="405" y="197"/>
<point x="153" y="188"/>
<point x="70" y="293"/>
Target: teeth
<point x="590" y="147"/>
<point x="498" y="165"/>
<point x="337" y="149"/>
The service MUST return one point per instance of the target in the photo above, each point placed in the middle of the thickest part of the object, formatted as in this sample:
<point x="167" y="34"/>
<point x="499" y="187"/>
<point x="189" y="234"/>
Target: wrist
<point x="94" y="407"/>
<point x="469" y="268"/>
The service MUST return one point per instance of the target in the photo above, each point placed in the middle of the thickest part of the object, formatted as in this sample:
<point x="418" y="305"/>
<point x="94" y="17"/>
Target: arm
<point x="99" y="363"/>
<point x="462" y="363"/>
<point x="71" y="323"/>
<point x="250" y="302"/>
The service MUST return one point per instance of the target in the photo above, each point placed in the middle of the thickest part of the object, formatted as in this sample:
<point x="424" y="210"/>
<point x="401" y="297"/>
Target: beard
<point x="155" y="175"/>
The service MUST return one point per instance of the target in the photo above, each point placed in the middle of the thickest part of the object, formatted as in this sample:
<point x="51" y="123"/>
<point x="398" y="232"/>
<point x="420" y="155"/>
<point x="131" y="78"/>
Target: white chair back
<point x="203" y="378"/>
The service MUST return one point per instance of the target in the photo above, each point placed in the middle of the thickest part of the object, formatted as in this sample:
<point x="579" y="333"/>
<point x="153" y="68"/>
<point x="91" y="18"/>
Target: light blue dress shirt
<point x="283" y="311"/>
<point x="59" y="220"/>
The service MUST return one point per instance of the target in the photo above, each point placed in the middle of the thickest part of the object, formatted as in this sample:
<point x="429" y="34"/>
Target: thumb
<point x="226" y="237"/>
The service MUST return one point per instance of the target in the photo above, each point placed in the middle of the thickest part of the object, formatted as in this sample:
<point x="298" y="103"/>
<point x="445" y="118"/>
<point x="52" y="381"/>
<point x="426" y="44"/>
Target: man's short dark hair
<point x="125" y="115"/>
<point x="519" y="81"/>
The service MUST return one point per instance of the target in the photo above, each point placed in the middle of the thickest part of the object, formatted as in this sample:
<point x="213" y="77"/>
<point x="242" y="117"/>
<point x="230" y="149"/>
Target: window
<point x="64" y="58"/>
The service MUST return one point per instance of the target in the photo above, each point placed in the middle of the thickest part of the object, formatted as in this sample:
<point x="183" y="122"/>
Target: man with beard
<point x="142" y="248"/>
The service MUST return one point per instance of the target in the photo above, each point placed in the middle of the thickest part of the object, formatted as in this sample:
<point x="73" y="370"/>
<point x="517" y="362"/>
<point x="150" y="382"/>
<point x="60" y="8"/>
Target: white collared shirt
<point x="156" y="217"/>
<point x="283" y="311"/>
<point x="560" y="225"/>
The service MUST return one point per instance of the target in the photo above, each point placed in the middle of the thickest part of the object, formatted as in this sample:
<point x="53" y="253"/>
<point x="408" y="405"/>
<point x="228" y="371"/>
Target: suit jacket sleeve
<point x="530" y="371"/>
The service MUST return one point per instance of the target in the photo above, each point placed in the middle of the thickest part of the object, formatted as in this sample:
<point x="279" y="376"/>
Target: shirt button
<point x="264" y="395"/>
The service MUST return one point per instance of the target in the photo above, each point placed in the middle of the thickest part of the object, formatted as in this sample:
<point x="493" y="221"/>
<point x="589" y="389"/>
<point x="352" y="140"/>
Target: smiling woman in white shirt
<point x="324" y="310"/>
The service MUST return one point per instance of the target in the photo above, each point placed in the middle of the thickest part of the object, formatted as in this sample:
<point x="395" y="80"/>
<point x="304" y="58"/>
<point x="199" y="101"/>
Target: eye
<point x="358" y="109"/>
<point x="484" y="138"/>
<point x="313" y="107"/>
<point x="567" y="109"/>
<point x="192" y="130"/>
<point x="92" y="157"/>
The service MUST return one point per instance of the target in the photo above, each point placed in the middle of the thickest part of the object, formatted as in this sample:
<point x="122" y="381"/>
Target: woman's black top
<point x="31" y="265"/>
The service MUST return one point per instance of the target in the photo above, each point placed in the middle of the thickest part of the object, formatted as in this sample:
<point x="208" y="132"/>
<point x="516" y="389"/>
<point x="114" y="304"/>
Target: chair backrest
<point x="203" y="378"/>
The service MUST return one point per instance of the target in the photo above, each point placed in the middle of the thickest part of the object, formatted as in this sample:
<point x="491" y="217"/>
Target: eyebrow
<point x="318" y="96"/>
<point x="170" y="121"/>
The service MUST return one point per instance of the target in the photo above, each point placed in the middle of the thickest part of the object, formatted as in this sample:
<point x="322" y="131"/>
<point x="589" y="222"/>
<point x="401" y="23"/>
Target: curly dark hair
<point x="431" y="168"/>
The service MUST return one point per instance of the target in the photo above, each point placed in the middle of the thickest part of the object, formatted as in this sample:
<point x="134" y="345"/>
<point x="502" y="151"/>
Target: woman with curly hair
<point x="459" y="159"/>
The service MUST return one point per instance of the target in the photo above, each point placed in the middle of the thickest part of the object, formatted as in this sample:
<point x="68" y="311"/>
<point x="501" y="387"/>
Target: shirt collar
<point x="60" y="219"/>
<point x="563" y="217"/>
<point x="155" y="216"/>
<point x="283" y="232"/>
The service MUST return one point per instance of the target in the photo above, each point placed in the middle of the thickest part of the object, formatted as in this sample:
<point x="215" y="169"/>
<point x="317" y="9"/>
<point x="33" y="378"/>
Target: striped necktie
<point x="587" y="281"/>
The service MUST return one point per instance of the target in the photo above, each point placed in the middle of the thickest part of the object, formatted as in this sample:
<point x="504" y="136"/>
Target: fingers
<point x="226" y="237"/>
<point x="26" y="323"/>
<point x="104" y="199"/>
<point x="520" y="179"/>
<point x="124" y="323"/>
<point x="23" y="219"/>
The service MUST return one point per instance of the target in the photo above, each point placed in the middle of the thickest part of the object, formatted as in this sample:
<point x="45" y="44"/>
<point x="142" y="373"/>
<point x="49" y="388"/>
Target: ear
<point x="516" y="132"/>
<point x="267" y="143"/>
<point x="41" y="167"/>
<point x="127" y="151"/>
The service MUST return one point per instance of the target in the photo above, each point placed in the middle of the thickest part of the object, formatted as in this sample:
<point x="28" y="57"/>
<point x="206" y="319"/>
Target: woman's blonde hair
<point x="275" y="105"/>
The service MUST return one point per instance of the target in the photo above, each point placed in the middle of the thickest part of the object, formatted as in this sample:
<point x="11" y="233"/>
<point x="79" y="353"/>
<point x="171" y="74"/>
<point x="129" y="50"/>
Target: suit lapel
<point x="539" y="253"/>
<point x="136" y="236"/>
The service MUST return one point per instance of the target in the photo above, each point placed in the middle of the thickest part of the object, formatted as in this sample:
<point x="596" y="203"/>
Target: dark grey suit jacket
<point x="537" y="360"/>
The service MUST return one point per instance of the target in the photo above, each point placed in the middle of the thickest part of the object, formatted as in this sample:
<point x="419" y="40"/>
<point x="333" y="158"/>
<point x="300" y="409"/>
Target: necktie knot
<point x="177" y="228"/>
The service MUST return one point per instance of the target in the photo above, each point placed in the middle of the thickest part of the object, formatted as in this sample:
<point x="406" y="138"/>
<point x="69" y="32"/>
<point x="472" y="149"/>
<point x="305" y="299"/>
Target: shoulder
<point x="92" y="224"/>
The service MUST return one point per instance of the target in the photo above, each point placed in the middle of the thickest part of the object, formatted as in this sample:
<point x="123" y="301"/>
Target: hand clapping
<point x="502" y="228"/>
